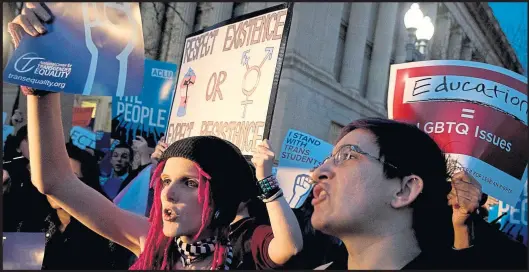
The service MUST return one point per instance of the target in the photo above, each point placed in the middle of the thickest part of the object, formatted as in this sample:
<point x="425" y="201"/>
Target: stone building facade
<point x="337" y="60"/>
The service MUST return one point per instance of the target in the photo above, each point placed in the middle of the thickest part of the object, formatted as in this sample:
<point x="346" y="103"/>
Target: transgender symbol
<point x="189" y="79"/>
<point x="257" y="69"/>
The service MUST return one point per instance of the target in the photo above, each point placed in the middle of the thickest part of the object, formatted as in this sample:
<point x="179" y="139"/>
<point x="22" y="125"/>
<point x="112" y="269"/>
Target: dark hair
<point x="218" y="193"/>
<point x="89" y="166"/>
<point x="124" y="145"/>
<point x="256" y="207"/>
<point x="413" y="152"/>
<point x="12" y="143"/>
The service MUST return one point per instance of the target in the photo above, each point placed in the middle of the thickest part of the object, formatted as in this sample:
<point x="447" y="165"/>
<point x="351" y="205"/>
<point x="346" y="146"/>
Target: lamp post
<point x="420" y="31"/>
<point x="424" y="34"/>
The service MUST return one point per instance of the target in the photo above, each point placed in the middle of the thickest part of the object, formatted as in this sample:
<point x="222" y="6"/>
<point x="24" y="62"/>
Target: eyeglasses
<point x="347" y="152"/>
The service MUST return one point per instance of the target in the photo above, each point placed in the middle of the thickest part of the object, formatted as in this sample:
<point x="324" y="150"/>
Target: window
<point x="365" y="67"/>
<point x="334" y="132"/>
<point x="341" y="41"/>
<point x="372" y="24"/>
<point x="369" y="48"/>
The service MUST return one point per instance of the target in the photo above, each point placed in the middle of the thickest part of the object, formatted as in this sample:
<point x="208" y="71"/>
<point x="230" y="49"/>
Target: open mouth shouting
<point x="320" y="195"/>
<point x="169" y="215"/>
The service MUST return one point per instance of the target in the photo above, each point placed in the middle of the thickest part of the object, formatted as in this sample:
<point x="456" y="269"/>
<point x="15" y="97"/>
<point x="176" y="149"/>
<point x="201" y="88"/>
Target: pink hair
<point x="157" y="245"/>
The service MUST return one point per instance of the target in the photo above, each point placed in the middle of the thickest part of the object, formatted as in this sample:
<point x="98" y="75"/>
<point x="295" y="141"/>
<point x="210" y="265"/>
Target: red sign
<point x="81" y="116"/>
<point x="477" y="113"/>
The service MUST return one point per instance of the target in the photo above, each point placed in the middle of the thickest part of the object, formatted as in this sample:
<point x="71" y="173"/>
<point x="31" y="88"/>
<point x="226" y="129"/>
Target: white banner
<point x="229" y="77"/>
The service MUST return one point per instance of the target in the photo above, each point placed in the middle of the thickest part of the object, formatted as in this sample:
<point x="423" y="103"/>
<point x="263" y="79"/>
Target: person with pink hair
<point x="196" y="190"/>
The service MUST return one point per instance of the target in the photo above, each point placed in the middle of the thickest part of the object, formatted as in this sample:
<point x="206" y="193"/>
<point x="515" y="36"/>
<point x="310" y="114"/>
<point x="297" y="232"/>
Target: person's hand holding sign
<point x="464" y="199"/>
<point x="141" y="148"/>
<point x="29" y="21"/>
<point x="263" y="159"/>
<point x="159" y="149"/>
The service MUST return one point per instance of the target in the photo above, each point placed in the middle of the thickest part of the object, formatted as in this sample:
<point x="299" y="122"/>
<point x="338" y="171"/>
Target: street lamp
<point x="420" y="31"/>
<point x="424" y="33"/>
<point x="413" y="17"/>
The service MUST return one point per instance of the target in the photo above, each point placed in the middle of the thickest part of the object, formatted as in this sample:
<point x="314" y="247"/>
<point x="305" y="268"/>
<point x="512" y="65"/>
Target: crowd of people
<point x="384" y="199"/>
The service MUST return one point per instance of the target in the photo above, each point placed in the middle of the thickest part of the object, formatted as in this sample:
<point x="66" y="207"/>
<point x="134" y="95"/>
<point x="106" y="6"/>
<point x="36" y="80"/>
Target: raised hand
<point x="159" y="149"/>
<point x="141" y="148"/>
<point x="29" y="21"/>
<point x="263" y="160"/>
<point x="464" y="197"/>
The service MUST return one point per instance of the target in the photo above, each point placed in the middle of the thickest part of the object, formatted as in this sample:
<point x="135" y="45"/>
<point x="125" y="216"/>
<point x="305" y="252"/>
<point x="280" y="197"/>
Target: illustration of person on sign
<point x="189" y="79"/>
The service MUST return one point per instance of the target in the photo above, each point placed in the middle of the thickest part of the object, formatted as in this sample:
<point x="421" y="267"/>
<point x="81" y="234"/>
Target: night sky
<point x="512" y="17"/>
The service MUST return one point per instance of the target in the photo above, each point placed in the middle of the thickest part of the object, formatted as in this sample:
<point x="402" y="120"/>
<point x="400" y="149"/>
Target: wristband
<point x="268" y="187"/>
<point x="274" y="197"/>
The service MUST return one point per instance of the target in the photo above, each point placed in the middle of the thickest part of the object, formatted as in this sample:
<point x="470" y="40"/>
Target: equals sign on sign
<point x="467" y="113"/>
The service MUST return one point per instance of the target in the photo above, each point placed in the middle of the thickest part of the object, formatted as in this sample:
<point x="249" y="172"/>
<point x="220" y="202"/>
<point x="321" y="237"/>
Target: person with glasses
<point x="383" y="192"/>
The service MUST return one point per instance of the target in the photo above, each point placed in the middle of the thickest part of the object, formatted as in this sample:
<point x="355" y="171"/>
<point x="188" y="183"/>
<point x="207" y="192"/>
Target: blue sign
<point x="512" y="220"/>
<point x="134" y="197"/>
<point x="83" y="138"/>
<point x="89" y="49"/>
<point x="300" y="153"/>
<point x="8" y="130"/>
<point x="146" y="115"/>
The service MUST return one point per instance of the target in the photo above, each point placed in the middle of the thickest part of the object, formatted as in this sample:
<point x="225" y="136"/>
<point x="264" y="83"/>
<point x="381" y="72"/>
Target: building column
<point x="178" y="26"/>
<point x="221" y="11"/>
<point x="102" y="116"/>
<point x="466" y="50"/>
<point x="441" y="37"/>
<point x="213" y="13"/>
<point x="382" y="49"/>
<point x="152" y="14"/>
<point x="402" y="34"/>
<point x="248" y="7"/>
<point x="355" y="46"/>
<point x="455" y="43"/>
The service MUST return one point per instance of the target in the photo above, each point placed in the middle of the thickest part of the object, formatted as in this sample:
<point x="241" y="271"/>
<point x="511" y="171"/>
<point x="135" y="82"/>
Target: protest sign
<point x="512" y="220"/>
<point x="134" y="196"/>
<point x="8" y="130"/>
<point x="300" y="153"/>
<point x="89" y="49"/>
<point x="477" y="114"/>
<point x="146" y="115"/>
<point x="83" y="138"/>
<point x="103" y="150"/>
<point x="23" y="250"/>
<point x="229" y="77"/>
<point x="81" y="116"/>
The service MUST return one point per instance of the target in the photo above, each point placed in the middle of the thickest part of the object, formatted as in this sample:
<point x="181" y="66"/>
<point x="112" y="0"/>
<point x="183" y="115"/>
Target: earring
<point x="217" y="214"/>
